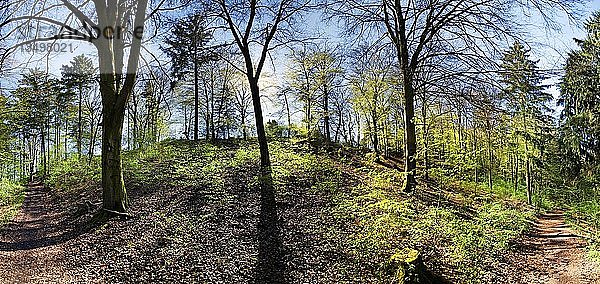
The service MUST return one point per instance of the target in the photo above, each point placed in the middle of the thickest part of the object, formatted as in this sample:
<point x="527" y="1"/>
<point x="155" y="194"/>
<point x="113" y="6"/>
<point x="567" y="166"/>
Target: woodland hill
<point x="307" y="141"/>
<point x="341" y="219"/>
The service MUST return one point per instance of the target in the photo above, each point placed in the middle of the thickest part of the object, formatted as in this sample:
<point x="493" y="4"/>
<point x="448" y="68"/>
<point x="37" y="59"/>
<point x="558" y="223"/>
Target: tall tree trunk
<point x="528" y="174"/>
<point x="57" y="139"/>
<point x="128" y="117"/>
<point x="396" y="134"/>
<point x="358" y="129"/>
<point x="308" y="117"/>
<point x="21" y="157"/>
<point x="134" y="117"/>
<point x="339" y="124"/>
<point x="410" y="133"/>
<point x="510" y="167"/>
<point x="326" y="116"/>
<point x="79" y="124"/>
<point x="116" y="87"/>
<point x="185" y="123"/>
<point x="490" y="156"/>
<point x="527" y="163"/>
<point x="475" y="150"/>
<point x="212" y="107"/>
<point x="207" y="115"/>
<point x="244" y="128"/>
<point x="43" y="151"/>
<point x="114" y="193"/>
<point x="517" y="162"/>
<point x="31" y="151"/>
<point x="425" y="138"/>
<point x="265" y="160"/>
<point x="92" y="138"/>
<point x="196" y="92"/>
<point x="65" y="139"/>
<point x="375" y="136"/>
<point x="48" y="152"/>
<point x="289" y="116"/>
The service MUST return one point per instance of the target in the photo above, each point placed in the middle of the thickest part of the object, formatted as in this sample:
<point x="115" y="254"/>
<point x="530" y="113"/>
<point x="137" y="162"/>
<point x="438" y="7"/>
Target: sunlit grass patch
<point x="385" y="220"/>
<point x="71" y="174"/>
<point x="11" y="199"/>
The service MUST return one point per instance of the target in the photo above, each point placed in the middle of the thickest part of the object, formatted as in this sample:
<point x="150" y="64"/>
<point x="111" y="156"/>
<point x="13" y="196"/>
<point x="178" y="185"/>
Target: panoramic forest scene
<point x="300" y="141"/>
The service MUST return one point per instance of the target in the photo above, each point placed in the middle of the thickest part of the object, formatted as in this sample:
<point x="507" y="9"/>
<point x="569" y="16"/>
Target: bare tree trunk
<point x="128" y="117"/>
<point x="475" y="149"/>
<point x="244" y="131"/>
<point x="186" y="133"/>
<point x="326" y="116"/>
<point x="527" y="164"/>
<point x="207" y="115"/>
<point x="528" y="174"/>
<point x="516" y="182"/>
<point x="66" y="131"/>
<point x="375" y="137"/>
<point x="410" y="134"/>
<point x="425" y="138"/>
<point x="196" y="92"/>
<point x="134" y="117"/>
<point x="339" y="124"/>
<point x="43" y="151"/>
<point x="308" y="117"/>
<point x="510" y="166"/>
<point x="79" y="124"/>
<point x="490" y="156"/>
<point x="116" y="88"/>
<point x="57" y="139"/>
<point x="114" y="193"/>
<point x="265" y="161"/>
<point x="92" y="138"/>
<point x="358" y="129"/>
<point x="289" y="116"/>
<point x="212" y="106"/>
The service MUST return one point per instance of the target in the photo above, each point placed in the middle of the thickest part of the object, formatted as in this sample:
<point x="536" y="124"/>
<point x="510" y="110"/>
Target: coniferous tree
<point x="527" y="102"/>
<point x="187" y="50"/>
<point x="79" y="75"/>
<point x="580" y="98"/>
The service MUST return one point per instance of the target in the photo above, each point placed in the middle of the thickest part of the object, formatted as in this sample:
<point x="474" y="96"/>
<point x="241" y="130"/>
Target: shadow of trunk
<point x="270" y="266"/>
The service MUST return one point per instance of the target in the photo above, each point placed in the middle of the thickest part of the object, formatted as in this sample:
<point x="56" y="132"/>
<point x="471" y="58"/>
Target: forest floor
<point x="196" y="220"/>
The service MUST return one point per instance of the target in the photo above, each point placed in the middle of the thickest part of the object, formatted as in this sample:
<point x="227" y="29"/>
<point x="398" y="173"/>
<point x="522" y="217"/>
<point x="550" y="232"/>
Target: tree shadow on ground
<point x="270" y="266"/>
<point x="435" y="195"/>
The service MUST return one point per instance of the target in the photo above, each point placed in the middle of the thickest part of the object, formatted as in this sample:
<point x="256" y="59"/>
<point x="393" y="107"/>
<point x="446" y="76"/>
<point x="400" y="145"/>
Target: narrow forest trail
<point x="553" y="253"/>
<point x="30" y="245"/>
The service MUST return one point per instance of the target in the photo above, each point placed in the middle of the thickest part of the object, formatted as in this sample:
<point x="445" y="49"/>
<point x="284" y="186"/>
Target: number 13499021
<point x="47" y="47"/>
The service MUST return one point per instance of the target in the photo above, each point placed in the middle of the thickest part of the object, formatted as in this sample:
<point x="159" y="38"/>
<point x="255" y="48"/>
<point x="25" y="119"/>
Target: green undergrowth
<point x="177" y="163"/>
<point x="194" y="164"/>
<point x="387" y="222"/>
<point x="11" y="199"/>
<point x="72" y="175"/>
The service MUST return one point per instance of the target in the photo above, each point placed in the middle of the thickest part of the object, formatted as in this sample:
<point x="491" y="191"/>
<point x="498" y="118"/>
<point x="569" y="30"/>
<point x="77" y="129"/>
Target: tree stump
<point x="408" y="268"/>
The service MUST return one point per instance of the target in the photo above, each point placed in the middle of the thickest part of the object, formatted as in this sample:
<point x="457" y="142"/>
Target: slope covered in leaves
<point x="342" y="218"/>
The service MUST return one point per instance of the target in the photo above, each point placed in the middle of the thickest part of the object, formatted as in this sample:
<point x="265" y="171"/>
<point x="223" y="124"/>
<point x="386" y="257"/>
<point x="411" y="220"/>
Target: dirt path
<point x="553" y="253"/>
<point x="30" y="245"/>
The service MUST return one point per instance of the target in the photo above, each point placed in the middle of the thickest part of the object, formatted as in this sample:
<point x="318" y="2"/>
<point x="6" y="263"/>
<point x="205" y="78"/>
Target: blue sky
<point x="550" y="49"/>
